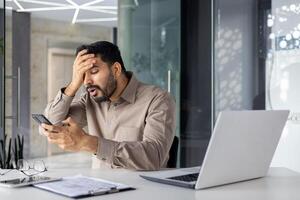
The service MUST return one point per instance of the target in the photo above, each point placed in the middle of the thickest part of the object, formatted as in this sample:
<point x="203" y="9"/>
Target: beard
<point x="106" y="91"/>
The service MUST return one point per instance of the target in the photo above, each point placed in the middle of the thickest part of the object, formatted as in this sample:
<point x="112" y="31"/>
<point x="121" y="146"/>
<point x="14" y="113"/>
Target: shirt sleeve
<point x="153" y="151"/>
<point x="63" y="106"/>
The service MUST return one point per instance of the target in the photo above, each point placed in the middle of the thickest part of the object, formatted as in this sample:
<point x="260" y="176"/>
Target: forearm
<point x="71" y="90"/>
<point x="139" y="155"/>
<point x="63" y="106"/>
<point x="57" y="110"/>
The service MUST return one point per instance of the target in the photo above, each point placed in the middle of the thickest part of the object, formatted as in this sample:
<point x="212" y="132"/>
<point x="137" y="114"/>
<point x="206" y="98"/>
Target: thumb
<point x="68" y="121"/>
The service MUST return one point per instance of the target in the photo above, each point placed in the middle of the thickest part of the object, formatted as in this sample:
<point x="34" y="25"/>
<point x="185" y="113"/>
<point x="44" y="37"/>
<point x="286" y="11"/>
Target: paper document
<point x="77" y="186"/>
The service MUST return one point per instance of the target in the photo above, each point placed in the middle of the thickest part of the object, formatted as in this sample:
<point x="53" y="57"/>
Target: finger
<point x="55" y="141"/>
<point x="85" y="69"/>
<point x="65" y="141"/>
<point x="84" y="58"/>
<point x="59" y="140"/>
<point x="54" y="136"/>
<point x="66" y="146"/>
<point x="66" y="122"/>
<point x="45" y="126"/>
<point x="71" y="120"/>
<point x="87" y="62"/>
<point x="62" y="146"/>
<point x="82" y="52"/>
<point x="51" y="128"/>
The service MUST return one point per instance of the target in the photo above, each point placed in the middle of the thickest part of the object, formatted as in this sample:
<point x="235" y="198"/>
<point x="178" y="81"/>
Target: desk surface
<point x="280" y="183"/>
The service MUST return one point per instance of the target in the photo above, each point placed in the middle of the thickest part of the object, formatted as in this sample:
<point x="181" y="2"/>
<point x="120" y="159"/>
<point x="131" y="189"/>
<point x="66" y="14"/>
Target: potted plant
<point x="9" y="156"/>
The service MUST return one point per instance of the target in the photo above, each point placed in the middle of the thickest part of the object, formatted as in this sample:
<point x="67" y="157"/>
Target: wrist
<point x="71" y="90"/>
<point x="89" y="143"/>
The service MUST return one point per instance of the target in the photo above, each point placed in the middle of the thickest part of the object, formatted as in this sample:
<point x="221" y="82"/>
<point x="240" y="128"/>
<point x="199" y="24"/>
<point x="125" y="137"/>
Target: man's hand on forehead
<point x="83" y="62"/>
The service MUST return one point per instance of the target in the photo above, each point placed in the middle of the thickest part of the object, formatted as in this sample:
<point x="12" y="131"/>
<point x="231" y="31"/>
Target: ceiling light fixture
<point x="18" y="4"/>
<point x="101" y="10"/>
<point x="43" y="2"/>
<point x="72" y="3"/>
<point x="75" y="16"/>
<point x="98" y="19"/>
<point x="105" y="7"/>
<point x="46" y="9"/>
<point x="92" y="2"/>
<point x="52" y="6"/>
<point x="136" y="2"/>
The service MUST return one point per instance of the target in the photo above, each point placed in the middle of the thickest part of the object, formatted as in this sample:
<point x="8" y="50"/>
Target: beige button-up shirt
<point x="136" y="132"/>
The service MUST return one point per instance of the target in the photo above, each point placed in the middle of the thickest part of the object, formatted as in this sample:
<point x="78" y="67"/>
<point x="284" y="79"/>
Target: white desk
<point x="280" y="184"/>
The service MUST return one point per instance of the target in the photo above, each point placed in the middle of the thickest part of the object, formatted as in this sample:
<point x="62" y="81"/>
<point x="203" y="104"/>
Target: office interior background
<point x="212" y="55"/>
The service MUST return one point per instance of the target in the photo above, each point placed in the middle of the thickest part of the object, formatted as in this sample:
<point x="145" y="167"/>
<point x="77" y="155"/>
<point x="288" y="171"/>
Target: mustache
<point x="88" y="86"/>
<point x="98" y="99"/>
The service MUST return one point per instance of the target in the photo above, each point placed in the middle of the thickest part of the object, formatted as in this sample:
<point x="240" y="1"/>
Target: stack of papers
<point x="82" y="186"/>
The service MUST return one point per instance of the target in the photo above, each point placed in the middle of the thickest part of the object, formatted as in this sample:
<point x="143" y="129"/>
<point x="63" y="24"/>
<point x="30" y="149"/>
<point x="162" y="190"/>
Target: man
<point x="130" y="124"/>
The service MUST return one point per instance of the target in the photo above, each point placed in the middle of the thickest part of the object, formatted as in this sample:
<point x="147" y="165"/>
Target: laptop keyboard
<point x="186" y="178"/>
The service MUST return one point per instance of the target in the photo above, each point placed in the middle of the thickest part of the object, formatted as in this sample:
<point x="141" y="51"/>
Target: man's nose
<point x="87" y="79"/>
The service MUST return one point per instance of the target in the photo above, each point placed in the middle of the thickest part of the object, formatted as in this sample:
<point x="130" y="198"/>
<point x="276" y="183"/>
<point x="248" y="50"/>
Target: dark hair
<point x="108" y="52"/>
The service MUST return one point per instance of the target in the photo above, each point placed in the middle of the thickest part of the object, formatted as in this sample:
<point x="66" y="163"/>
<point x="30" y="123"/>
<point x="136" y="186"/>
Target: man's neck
<point x="121" y="85"/>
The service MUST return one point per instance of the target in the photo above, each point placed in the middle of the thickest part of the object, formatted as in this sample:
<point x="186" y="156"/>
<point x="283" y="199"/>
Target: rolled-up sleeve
<point x="152" y="152"/>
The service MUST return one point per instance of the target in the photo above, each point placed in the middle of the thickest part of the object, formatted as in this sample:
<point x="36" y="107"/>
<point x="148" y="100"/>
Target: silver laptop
<point x="241" y="148"/>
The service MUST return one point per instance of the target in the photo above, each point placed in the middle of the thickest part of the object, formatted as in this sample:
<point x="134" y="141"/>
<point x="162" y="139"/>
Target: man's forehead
<point x="99" y="61"/>
<point x="98" y="58"/>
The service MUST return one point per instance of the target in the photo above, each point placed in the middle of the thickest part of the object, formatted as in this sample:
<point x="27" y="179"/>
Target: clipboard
<point x="83" y="186"/>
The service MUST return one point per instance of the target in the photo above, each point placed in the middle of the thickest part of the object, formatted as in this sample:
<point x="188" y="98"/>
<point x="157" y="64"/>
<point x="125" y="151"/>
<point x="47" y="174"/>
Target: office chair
<point x="173" y="153"/>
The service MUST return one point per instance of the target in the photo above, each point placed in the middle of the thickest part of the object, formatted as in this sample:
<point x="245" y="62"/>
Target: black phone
<point x="40" y="118"/>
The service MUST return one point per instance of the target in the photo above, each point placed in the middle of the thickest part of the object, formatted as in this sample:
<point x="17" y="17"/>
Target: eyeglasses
<point x="28" y="168"/>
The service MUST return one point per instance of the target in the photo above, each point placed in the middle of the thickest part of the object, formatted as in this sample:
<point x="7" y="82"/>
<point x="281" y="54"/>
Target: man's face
<point x="99" y="80"/>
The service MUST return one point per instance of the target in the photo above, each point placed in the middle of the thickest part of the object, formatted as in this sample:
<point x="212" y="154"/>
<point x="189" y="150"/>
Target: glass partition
<point x="149" y="39"/>
<point x="236" y="75"/>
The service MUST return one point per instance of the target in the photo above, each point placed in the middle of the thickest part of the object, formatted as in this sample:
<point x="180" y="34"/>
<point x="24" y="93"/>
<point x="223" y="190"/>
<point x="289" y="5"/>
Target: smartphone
<point x="40" y="118"/>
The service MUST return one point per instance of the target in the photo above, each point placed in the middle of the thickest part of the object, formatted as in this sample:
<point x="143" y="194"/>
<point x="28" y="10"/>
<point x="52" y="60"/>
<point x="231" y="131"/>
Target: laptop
<point x="241" y="148"/>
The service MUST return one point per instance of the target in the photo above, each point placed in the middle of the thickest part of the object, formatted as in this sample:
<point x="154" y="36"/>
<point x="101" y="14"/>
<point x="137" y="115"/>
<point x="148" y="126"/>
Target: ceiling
<point x="93" y="12"/>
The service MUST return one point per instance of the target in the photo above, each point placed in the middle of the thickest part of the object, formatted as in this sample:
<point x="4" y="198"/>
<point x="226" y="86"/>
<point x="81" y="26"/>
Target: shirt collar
<point x="129" y="92"/>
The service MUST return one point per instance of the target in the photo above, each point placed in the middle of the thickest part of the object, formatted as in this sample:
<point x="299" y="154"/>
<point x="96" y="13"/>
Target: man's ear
<point x="117" y="69"/>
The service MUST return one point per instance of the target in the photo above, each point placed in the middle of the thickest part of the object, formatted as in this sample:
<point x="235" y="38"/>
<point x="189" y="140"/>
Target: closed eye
<point x="94" y="70"/>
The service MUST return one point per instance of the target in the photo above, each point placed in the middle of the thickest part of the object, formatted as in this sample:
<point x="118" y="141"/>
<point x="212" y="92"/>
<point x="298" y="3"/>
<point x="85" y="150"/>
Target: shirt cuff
<point x="62" y="97"/>
<point x="106" y="150"/>
<point x="62" y="91"/>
